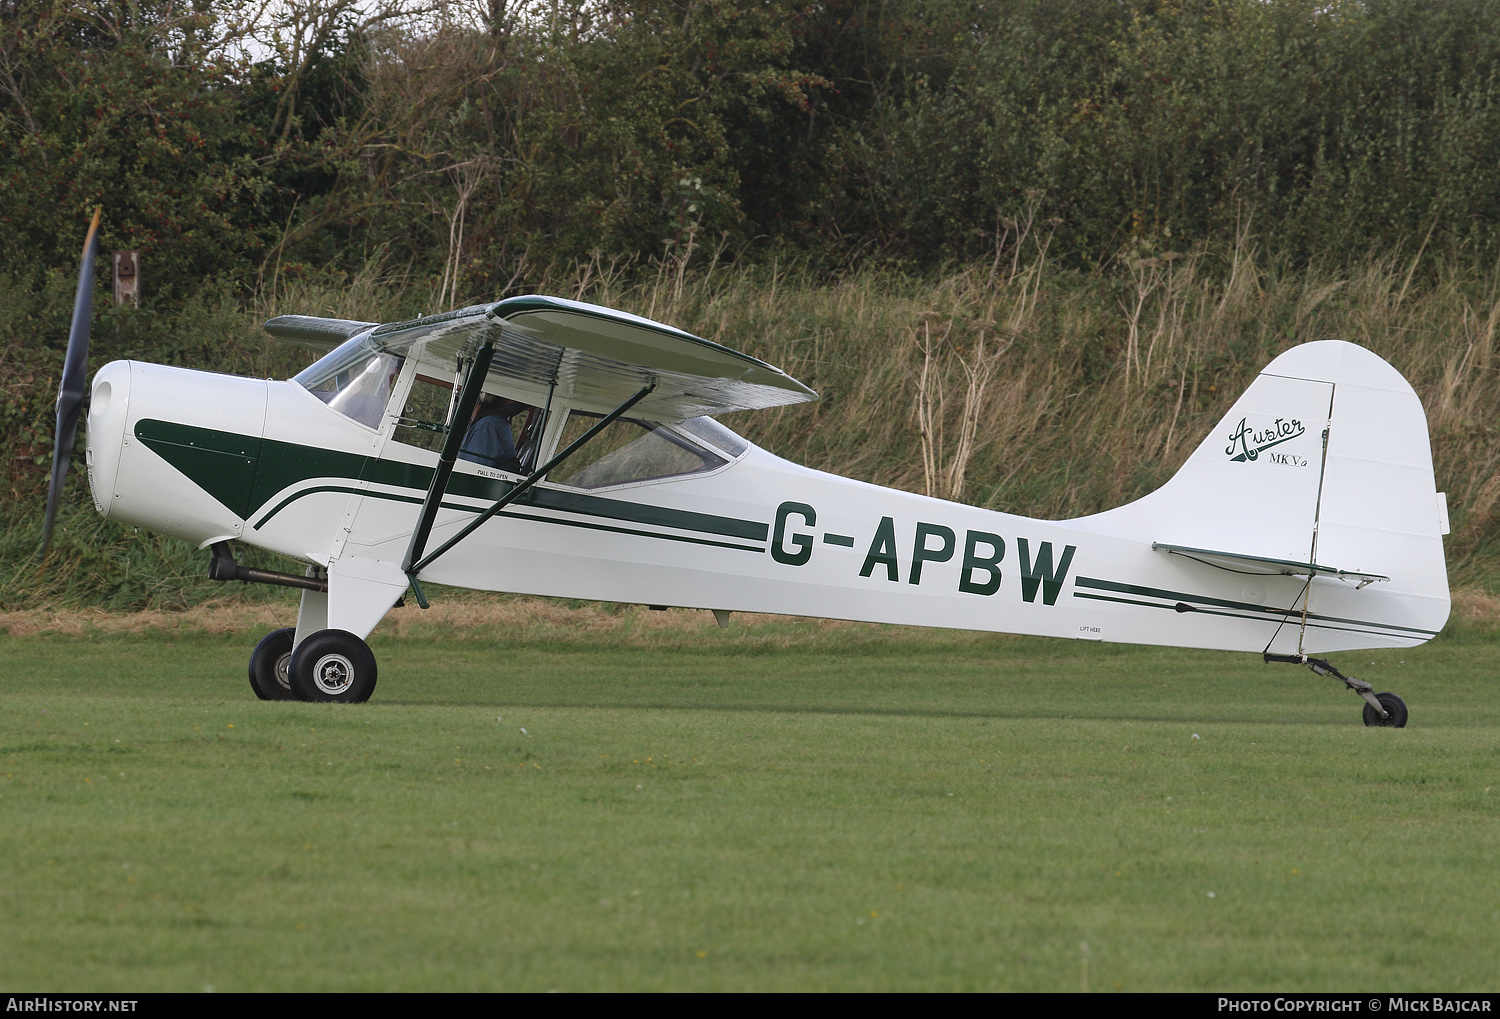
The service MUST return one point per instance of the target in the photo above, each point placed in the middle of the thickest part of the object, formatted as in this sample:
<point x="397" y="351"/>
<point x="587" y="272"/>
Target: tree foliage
<point x="386" y="158"/>
<point x="474" y="144"/>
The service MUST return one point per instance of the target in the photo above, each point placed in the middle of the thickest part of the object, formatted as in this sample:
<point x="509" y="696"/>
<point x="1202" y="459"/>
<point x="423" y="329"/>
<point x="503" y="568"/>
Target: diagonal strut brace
<point x="414" y="565"/>
<point x="468" y="395"/>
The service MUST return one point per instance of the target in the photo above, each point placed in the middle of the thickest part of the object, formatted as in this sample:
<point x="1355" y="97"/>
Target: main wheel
<point x="333" y="665"/>
<point x="270" y="666"/>
<point x="1394" y="706"/>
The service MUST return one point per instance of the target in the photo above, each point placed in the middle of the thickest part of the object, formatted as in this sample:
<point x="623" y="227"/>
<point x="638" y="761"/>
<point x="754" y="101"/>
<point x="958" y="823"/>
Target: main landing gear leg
<point x="1381" y="709"/>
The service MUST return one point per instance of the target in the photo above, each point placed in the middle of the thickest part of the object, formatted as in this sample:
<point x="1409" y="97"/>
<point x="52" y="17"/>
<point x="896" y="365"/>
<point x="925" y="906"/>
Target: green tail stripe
<point x="1202" y="599"/>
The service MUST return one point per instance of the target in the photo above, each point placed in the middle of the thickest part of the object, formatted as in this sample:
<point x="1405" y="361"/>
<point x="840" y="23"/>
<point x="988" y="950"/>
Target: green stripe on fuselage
<point x="246" y="483"/>
<point x="1203" y="599"/>
<point x="223" y="464"/>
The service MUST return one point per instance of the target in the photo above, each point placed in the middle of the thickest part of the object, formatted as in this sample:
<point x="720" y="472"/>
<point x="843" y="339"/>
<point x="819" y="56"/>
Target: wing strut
<point x="413" y="565"/>
<point x="457" y="425"/>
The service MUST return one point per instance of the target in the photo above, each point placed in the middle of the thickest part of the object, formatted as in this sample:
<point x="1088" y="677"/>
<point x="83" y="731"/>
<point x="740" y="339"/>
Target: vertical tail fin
<point x="1324" y="460"/>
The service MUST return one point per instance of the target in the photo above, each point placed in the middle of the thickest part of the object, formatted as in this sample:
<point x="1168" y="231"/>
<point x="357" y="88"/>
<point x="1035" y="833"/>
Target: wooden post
<point x="128" y="277"/>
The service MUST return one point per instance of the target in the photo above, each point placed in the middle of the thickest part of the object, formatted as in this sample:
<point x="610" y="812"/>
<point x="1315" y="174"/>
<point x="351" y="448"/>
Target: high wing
<point x="594" y="357"/>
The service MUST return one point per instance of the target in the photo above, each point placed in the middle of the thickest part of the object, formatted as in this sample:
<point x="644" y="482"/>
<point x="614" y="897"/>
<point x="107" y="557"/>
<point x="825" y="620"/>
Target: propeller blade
<point x="75" y="370"/>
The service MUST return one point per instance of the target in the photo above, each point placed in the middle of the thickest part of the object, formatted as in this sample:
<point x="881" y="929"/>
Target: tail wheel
<point x="1395" y="708"/>
<point x="333" y="666"/>
<point x="270" y="666"/>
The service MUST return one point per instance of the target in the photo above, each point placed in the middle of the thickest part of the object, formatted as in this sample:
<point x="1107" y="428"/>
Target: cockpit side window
<point x="500" y="433"/>
<point x="354" y="379"/>
<point x="626" y="451"/>
<point x="423" y="421"/>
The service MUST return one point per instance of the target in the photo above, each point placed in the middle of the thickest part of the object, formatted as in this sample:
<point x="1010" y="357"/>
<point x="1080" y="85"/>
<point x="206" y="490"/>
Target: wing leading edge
<point x="317" y="334"/>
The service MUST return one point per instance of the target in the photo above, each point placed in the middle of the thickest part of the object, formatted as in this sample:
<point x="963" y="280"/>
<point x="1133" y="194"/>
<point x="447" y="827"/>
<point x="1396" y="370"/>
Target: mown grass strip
<point x="869" y="809"/>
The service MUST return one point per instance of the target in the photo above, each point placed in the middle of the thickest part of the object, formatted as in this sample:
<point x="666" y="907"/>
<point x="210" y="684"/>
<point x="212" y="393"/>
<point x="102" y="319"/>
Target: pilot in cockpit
<point x="489" y="440"/>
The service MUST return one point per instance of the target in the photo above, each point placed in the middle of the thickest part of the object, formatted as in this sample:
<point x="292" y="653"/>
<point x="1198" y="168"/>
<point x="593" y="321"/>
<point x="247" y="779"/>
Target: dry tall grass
<point x="1056" y="395"/>
<point x="1010" y="385"/>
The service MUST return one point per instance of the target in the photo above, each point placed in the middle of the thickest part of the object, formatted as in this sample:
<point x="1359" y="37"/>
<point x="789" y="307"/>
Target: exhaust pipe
<point x="224" y="567"/>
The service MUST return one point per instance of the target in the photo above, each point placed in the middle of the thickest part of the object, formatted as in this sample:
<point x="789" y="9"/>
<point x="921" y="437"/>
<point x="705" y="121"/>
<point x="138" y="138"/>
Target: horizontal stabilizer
<point x="1261" y="565"/>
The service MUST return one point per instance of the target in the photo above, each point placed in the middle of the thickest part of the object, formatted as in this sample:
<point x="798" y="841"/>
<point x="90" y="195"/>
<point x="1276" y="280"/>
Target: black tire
<point x="333" y="666"/>
<point x="270" y="666"/>
<point x="1394" y="706"/>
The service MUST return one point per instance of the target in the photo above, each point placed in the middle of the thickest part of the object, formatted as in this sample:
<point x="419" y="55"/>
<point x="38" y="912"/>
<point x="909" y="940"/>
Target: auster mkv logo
<point x="1248" y="444"/>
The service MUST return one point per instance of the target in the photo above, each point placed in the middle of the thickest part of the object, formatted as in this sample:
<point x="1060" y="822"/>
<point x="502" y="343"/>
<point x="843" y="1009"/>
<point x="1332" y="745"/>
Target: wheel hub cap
<point x="333" y="674"/>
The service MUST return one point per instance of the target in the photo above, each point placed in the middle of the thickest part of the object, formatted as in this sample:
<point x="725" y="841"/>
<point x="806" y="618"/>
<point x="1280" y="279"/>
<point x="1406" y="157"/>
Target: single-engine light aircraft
<point x="1307" y="521"/>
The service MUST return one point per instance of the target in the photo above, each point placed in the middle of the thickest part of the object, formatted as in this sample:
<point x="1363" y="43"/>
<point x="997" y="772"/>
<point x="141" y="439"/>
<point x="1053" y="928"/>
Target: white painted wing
<point x="598" y="357"/>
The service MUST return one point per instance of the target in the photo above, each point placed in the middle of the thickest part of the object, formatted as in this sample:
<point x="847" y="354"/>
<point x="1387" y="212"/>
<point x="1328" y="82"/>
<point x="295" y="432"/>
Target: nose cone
<point x="174" y="450"/>
<point x="109" y="408"/>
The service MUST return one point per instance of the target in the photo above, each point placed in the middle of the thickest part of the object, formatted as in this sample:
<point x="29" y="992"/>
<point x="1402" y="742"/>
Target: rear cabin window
<point x="628" y="450"/>
<point x="715" y="434"/>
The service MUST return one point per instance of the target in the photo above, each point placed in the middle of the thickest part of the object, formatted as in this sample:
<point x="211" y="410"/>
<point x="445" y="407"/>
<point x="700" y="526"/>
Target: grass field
<point x="780" y="806"/>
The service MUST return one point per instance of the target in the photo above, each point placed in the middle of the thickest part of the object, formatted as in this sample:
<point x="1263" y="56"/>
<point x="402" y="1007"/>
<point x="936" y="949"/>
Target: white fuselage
<point x="210" y="457"/>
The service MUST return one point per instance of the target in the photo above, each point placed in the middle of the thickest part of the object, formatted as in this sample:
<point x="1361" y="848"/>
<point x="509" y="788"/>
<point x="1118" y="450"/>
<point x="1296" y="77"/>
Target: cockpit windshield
<point x="354" y="379"/>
